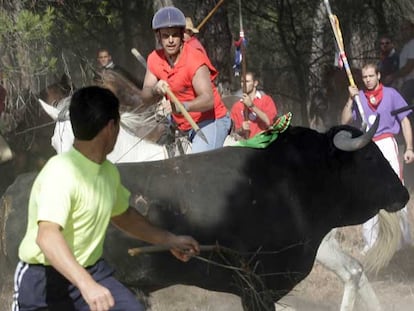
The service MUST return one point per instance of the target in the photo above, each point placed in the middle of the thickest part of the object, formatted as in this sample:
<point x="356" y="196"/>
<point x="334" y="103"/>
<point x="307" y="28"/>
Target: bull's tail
<point x="387" y="243"/>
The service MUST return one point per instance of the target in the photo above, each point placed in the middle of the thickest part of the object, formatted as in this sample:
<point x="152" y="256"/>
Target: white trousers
<point x="389" y="149"/>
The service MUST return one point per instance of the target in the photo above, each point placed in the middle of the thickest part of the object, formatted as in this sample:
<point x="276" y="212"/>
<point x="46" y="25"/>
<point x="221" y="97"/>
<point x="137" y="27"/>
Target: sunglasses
<point x="385" y="43"/>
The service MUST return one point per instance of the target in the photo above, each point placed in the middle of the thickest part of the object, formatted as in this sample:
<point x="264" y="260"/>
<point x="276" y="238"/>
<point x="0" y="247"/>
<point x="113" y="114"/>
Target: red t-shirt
<point x="180" y="78"/>
<point x="195" y="43"/>
<point x="263" y="102"/>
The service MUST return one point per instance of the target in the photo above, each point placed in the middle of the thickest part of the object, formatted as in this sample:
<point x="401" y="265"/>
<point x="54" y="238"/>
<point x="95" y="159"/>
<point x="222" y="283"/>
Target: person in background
<point x="190" y="76"/>
<point x="382" y="100"/>
<point x="261" y="109"/>
<point x="190" y="35"/>
<point x="61" y="265"/>
<point x="105" y="61"/>
<point x="389" y="58"/>
<point x="403" y="79"/>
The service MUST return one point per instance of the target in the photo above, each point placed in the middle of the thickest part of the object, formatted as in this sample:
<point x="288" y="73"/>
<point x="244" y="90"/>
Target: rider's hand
<point x="159" y="88"/>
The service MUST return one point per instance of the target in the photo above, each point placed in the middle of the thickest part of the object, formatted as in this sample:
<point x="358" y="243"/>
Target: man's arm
<point x="150" y="92"/>
<point x="204" y="100"/>
<point x="408" y="137"/>
<point x="262" y="115"/>
<point x="346" y="116"/>
<point x="52" y="243"/>
<point x="136" y="225"/>
<point x="405" y="70"/>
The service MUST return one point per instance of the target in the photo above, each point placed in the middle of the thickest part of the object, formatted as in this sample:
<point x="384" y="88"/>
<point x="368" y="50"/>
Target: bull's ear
<point x="343" y="140"/>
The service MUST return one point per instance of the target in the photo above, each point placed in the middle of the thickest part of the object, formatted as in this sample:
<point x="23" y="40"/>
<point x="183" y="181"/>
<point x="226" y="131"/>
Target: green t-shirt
<point x="79" y="195"/>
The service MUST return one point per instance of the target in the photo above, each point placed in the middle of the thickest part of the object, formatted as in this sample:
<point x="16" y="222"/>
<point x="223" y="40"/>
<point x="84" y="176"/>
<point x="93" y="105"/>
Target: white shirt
<point x="407" y="53"/>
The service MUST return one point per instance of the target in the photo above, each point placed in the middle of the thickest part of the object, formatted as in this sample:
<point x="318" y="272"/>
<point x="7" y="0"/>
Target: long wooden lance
<point x="246" y="133"/>
<point x="139" y="57"/>
<point x="185" y="113"/>
<point x="340" y="44"/>
<point x="210" y="14"/>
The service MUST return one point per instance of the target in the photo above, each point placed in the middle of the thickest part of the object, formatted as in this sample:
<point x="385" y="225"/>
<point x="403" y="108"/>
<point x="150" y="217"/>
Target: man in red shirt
<point x="190" y="75"/>
<point x="190" y="37"/>
<point x="261" y="109"/>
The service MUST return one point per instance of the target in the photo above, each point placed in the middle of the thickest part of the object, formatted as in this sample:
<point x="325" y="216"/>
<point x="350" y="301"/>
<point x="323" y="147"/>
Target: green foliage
<point x="25" y="38"/>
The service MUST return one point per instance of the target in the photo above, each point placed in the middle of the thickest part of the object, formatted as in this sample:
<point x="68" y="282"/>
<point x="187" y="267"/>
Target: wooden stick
<point x="185" y="113"/>
<point x="139" y="57"/>
<point x="340" y="43"/>
<point x="209" y="15"/>
<point x="162" y="248"/>
<point x="246" y="133"/>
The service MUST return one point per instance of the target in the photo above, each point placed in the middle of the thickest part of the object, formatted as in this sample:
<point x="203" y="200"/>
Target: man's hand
<point x="159" y="88"/>
<point x="98" y="297"/>
<point x="183" y="247"/>
<point x="353" y="91"/>
<point x="409" y="156"/>
<point x="246" y="126"/>
<point x="247" y="101"/>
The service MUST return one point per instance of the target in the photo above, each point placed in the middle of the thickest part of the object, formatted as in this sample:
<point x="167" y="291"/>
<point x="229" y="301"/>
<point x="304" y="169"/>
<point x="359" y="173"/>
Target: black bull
<point x="272" y="207"/>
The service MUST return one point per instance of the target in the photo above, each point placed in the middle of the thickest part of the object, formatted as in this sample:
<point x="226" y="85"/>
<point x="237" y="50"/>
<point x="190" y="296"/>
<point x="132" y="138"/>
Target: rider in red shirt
<point x="190" y="75"/>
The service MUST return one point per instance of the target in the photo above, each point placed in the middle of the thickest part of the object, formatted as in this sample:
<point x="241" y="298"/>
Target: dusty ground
<point x="320" y="291"/>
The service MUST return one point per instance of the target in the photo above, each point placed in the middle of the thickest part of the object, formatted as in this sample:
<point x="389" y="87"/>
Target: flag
<point x="238" y="57"/>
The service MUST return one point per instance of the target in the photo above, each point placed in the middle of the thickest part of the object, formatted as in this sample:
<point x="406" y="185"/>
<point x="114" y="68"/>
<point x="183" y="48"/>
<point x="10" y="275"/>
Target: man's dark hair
<point x="103" y="49"/>
<point x="253" y="74"/>
<point x="91" y="108"/>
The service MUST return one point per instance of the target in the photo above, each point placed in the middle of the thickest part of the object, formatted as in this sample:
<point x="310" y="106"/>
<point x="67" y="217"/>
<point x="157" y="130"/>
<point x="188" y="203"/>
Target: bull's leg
<point x="350" y="271"/>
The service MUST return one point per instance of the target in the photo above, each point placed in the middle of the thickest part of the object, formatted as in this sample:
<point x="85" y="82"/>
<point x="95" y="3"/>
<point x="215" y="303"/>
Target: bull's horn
<point x="343" y="140"/>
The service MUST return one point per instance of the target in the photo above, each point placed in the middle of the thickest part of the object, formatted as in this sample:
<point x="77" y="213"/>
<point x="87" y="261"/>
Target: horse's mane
<point x="136" y="117"/>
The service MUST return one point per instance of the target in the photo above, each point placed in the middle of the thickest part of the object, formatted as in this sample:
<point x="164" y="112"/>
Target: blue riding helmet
<point x="168" y="17"/>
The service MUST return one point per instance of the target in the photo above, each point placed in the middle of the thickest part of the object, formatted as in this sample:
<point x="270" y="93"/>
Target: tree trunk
<point x="315" y="77"/>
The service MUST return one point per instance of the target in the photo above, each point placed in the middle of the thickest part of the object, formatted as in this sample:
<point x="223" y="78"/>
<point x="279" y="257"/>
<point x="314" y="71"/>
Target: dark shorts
<point x="38" y="287"/>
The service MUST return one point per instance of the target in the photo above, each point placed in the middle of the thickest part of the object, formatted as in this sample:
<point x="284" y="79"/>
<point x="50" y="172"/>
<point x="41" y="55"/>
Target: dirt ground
<point x="320" y="291"/>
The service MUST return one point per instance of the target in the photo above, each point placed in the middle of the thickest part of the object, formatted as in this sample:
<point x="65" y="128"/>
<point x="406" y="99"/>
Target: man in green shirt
<point x="72" y="201"/>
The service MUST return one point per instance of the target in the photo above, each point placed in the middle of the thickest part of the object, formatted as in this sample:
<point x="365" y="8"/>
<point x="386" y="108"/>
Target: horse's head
<point x="53" y="93"/>
<point x="128" y="93"/>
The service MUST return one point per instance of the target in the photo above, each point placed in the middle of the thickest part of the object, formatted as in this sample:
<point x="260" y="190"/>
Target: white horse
<point x="128" y="148"/>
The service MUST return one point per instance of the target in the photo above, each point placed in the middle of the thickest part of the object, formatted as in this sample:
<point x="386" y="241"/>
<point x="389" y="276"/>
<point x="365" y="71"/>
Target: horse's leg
<point x="350" y="271"/>
<point x="367" y="294"/>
